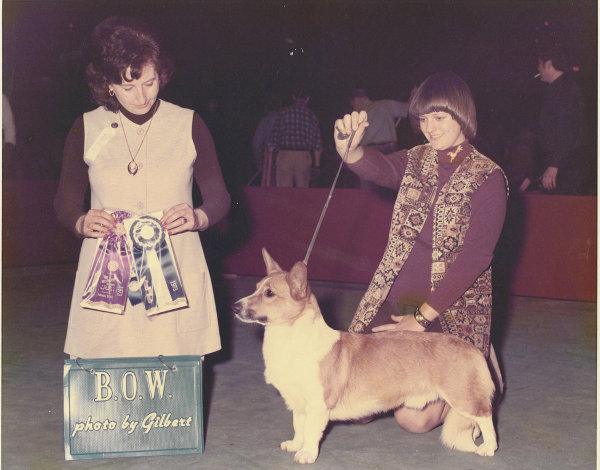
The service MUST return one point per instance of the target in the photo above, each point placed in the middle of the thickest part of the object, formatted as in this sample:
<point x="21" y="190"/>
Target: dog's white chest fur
<point x="292" y="354"/>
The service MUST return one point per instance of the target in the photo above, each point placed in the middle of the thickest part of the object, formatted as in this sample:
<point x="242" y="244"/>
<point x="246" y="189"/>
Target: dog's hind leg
<point x="457" y="432"/>
<point x="476" y="432"/>
<point x="296" y="443"/>
<point x="489" y="444"/>
<point x="314" y="425"/>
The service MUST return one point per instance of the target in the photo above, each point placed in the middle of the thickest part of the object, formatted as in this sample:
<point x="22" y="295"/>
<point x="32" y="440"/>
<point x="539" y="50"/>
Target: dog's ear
<point x="270" y="263"/>
<point x="298" y="282"/>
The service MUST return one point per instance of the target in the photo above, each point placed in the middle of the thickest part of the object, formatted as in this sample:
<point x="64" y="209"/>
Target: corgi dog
<point x="324" y="374"/>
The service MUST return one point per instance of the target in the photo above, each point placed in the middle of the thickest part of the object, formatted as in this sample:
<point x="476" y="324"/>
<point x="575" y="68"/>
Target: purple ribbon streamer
<point x="107" y="284"/>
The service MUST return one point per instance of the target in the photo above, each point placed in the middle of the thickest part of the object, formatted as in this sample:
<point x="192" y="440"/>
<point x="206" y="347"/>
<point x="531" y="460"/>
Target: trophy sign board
<point x="126" y="407"/>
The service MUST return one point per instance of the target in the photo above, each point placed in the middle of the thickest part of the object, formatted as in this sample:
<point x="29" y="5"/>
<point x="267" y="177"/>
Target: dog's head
<point x="279" y="298"/>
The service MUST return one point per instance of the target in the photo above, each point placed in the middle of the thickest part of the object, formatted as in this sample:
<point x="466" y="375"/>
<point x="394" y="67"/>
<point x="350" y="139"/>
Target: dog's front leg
<point x="296" y="444"/>
<point x="314" y="425"/>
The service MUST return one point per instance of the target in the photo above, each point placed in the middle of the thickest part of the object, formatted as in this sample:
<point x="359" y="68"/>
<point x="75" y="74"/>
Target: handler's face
<point x="441" y="130"/>
<point x="139" y="95"/>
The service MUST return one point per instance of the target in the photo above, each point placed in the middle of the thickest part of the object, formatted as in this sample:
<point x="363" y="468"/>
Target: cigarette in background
<point x="536" y="76"/>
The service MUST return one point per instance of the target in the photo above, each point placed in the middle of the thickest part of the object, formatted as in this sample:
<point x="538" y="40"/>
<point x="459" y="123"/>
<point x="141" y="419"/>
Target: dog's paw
<point x="290" y="446"/>
<point x="476" y="432"/>
<point x="486" y="450"/>
<point x="305" y="456"/>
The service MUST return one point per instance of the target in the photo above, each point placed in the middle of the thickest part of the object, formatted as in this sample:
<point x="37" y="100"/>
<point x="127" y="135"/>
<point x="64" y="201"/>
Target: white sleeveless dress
<point x="164" y="179"/>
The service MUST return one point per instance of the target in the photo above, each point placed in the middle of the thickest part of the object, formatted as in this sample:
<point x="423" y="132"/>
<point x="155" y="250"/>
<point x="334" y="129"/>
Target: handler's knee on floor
<point x="419" y="421"/>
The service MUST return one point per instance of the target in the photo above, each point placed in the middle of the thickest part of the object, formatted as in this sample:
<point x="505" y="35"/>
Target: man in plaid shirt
<point x="295" y="135"/>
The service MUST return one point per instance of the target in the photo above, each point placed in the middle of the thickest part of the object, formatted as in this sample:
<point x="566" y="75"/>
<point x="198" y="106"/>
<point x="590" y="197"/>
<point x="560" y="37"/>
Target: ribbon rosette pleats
<point x="155" y="280"/>
<point x="106" y="287"/>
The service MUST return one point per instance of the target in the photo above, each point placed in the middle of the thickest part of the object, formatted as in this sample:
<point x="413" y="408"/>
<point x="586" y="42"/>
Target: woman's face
<point x="441" y="130"/>
<point x="138" y="96"/>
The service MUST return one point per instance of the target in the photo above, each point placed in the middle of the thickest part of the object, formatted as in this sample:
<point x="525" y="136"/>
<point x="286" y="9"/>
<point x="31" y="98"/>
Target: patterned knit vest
<point x="469" y="317"/>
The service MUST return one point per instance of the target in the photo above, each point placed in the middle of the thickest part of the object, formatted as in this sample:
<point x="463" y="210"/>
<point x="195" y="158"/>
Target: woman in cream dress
<point x="140" y="154"/>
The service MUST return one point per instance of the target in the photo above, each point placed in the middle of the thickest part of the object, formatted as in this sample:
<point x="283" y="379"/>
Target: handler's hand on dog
<point x="341" y="133"/>
<point x="403" y="323"/>
<point x="181" y="218"/>
<point x="95" y="224"/>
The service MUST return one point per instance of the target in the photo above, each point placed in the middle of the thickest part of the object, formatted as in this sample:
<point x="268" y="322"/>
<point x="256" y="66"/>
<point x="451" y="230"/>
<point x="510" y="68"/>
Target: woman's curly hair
<point x="120" y="43"/>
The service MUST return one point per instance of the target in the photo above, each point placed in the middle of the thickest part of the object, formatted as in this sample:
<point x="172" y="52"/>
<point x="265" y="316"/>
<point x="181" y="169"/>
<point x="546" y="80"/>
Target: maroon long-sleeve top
<point x="488" y="204"/>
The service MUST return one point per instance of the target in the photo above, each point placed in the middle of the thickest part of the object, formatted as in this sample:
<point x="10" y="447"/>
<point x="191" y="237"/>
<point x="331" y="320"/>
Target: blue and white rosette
<point x="155" y="279"/>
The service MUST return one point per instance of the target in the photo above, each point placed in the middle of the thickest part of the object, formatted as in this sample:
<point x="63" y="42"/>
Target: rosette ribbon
<point x="107" y="284"/>
<point x="156" y="281"/>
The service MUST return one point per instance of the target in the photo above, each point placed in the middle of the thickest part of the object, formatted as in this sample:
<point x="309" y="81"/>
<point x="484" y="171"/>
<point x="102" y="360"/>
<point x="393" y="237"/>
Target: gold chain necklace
<point x="133" y="167"/>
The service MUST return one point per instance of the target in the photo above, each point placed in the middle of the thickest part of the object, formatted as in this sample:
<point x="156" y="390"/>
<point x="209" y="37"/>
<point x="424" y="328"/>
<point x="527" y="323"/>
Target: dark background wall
<point x="241" y="52"/>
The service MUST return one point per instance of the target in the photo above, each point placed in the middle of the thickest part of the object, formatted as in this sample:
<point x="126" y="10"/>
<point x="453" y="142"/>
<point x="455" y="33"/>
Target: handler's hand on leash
<point x="343" y="128"/>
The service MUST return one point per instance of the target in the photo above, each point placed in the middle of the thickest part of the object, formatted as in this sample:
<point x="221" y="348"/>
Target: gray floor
<point x="547" y="419"/>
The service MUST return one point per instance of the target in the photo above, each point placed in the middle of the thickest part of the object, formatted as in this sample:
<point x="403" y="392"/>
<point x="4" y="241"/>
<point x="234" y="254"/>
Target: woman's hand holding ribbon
<point x="182" y="218"/>
<point x="95" y="224"/>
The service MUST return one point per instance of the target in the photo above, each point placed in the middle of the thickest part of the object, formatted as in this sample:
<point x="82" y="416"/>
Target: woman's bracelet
<point x="421" y="320"/>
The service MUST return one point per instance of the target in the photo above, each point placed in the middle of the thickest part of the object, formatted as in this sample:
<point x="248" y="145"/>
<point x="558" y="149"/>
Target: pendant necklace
<point x="133" y="167"/>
